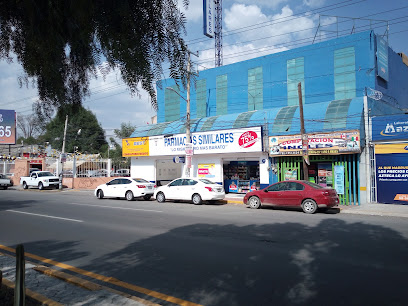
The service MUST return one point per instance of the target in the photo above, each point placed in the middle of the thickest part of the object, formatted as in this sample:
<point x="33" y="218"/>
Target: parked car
<point x="307" y="195"/>
<point x="190" y="189"/>
<point x="122" y="172"/>
<point x="5" y="182"/>
<point x="40" y="179"/>
<point x="125" y="187"/>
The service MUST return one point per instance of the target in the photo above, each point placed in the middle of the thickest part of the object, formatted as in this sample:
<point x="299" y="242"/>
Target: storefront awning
<point x="338" y="115"/>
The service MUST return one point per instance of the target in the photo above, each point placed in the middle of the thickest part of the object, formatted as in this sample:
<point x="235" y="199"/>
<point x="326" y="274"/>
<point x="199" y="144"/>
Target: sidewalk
<point x="372" y="209"/>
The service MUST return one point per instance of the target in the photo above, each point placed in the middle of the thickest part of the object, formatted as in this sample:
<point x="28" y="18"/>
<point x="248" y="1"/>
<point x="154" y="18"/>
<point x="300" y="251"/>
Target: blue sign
<point x="7" y="127"/>
<point x="388" y="128"/>
<point x="382" y="58"/>
<point x="179" y="159"/>
<point x="339" y="179"/>
<point x="208" y="17"/>
<point x="392" y="178"/>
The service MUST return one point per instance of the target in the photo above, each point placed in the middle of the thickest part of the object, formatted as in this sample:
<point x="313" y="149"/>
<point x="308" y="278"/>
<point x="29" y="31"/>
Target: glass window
<point x="295" y="74"/>
<point x="189" y="182"/>
<point x="255" y="89"/>
<point x="205" y="181"/>
<point x="201" y="101"/>
<point x="176" y="182"/>
<point x="294" y="186"/>
<point x="41" y="174"/>
<point x="172" y="104"/>
<point x="344" y="74"/>
<point x="277" y="187"/>
<point x="316" y="186"/>
<point x="125" y="181"/>
<point x="222" y="94"/>
<point x="140" y="180"/>
<point x="283" y="120"/>
<point x="114" y="182"/>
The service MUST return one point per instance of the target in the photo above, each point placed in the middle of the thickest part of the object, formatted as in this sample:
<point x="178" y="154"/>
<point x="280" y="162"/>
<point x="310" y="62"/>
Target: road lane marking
<point x="46" y="216"/>
<point x="106" y="279"/>
<point x="125" y="208"/>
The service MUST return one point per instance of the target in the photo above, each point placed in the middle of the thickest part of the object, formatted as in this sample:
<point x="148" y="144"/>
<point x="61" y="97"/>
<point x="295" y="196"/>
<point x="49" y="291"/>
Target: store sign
<point x="390" y="127"/>
<point x="208" y="17"/>
<point x="382" y="58"/>
<point x="137" y="146"/>
<point x="223" y="141"/>
<point x="346" y="142"/>
<point x="392" y="174"/>
<point x="290" y="175"/>
<point x="206" y="170"/>
<point x="339" y="179"/>
<point x="391" y="148"/>
<point x="7" y="127"/>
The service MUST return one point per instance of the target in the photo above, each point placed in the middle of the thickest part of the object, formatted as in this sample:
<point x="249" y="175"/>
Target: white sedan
<point x="190" y="189"/>
<point x="126" y="187"/>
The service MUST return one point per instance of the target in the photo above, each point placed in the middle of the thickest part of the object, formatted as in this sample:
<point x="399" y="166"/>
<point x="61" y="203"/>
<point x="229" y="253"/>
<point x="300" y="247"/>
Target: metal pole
<point x="188" y="140"/>
<point x="65" y="134"/>
<point x="303" y="134"/>
<point x="19" y="288"/>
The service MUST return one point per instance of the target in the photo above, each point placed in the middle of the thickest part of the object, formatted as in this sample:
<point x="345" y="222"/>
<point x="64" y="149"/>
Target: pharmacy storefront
<point x="215" y="155"/>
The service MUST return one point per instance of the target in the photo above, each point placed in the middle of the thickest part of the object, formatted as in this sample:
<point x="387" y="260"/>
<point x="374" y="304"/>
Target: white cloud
<point x="265" y="3"/>
<point x="194" y="12"/>
<point x="314" y="3"/>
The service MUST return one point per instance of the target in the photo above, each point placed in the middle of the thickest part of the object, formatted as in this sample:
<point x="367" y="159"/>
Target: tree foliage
<point x="62" y="44"/>
<point x="126" y="129"/>
<point x="83" y="131"/>
<point x="29" y="126"/>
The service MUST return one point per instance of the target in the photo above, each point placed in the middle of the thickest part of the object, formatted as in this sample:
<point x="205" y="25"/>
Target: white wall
<point x="143" y="167"/>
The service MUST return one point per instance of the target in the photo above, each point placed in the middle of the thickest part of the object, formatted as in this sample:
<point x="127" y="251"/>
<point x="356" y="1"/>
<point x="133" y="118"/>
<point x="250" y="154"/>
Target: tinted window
<point x="189" y="182"/>
<point x="294" y="186"/>
<point x="205" y="181"/>
<point x="125" y="181"/>
<point x="44" y="174"/>
<point x="140" y="180"/>
<point x="276" y="187"/>
<point x="114" y="182"/>
<point x="176" y="182"/>
<point x="316" y="186"/>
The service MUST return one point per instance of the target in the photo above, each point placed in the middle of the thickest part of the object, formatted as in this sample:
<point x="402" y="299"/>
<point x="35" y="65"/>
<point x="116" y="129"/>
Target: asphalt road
<point x="216" y="254"/>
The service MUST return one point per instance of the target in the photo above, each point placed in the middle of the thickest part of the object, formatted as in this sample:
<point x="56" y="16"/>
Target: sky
<point x="251" y="28"/>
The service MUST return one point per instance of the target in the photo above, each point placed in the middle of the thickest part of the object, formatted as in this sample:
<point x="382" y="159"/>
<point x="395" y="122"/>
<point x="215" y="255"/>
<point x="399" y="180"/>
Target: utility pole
<point x="63" y="156"/>
<point x="65" y="134"/>
<point x="189" y="149"/>
<point x="303" y="135"/>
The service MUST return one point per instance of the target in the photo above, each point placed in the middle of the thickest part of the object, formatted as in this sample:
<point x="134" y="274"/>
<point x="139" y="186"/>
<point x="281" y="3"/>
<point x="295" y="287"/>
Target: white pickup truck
<point x="40" y="179"/>
<point x="5" y="182"/>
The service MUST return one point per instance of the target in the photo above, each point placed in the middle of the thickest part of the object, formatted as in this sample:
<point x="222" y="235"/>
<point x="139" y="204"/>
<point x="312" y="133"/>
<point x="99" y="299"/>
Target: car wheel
<point x="99" y="194"/>
<point x="309" y="206"/>
<point x="254" y="202"/>
<point x="197" y="199"/>
<point x="40" y="186"/>
<point x="25" y="186"/>
<point x="129" y="196"/>
<point x="147" y="197"/>
<point x="160" y="197"/>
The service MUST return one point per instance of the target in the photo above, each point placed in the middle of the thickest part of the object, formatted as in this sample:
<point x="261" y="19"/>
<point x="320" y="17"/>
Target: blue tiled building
<point x="344" y="82"/>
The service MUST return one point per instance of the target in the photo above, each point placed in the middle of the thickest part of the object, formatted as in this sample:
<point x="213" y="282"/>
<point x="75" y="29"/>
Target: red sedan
<point x="307" y="195"/>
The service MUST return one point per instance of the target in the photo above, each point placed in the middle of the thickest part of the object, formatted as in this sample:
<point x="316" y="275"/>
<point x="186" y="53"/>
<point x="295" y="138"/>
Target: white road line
<point x="53" y="217"/>
<point x="125" y="208"/>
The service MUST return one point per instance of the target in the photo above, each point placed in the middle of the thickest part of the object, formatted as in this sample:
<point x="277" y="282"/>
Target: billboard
<point x="346" y="142"/>
<point x="390" y="127"/>
<point x="208" y="17"/>
<point x="382" y="58"/>
<point x="136" y="146"/>
<point x="392" y="173"/>
<point x="7" y="127"/>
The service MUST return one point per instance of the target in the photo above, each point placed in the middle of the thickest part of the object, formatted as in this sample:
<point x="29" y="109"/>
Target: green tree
<point x="62" y="44"/>
<point x="83" y="131"/>
<point x="126" y="129"/>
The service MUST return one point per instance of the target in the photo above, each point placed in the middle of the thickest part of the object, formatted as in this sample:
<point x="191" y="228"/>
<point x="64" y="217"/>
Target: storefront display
<point x="241" y="176"/>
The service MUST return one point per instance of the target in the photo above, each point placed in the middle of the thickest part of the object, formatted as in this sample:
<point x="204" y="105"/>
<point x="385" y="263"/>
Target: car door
<point x="33" y="180"/>
<point x="188" y="188"/>
<point x="273" y="194"/>
<point x="110" y="189"/>
<point x="172" y="190"/>
<point x="292" y="195"/>
<point x="123" y="186"/>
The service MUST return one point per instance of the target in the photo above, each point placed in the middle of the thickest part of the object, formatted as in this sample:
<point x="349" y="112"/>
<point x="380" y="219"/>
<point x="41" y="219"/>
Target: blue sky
<point x="251" y="28"/>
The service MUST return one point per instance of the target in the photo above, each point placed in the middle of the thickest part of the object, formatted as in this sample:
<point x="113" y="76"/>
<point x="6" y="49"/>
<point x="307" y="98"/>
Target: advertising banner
<point x="346" y="142"/>
<point x="223" y="141"/>
<point x="137" y="146"/>
<point x="208" y="17"/>
<point x="392" y="177"/>
<point x="382" y="58"/>
<point x="206" y="171"/>
<point x="339" y="179"/>
<point x="7" y="127"/>
<point x="390" y="127"/>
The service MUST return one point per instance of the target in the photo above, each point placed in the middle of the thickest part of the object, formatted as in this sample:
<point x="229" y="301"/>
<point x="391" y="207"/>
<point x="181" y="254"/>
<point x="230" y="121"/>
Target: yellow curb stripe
<point x="106" y="279"/>
<point x="34" y="295"/>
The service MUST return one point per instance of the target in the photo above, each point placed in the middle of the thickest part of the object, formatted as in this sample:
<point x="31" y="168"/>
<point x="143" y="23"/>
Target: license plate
<point x="149" y="187"/>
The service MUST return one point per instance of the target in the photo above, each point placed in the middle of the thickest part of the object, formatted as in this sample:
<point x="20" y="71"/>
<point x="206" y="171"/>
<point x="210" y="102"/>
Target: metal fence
<point x="7" y="168"/>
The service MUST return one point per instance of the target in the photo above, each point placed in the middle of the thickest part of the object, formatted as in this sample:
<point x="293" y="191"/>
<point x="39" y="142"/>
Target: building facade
<point x="344" y="82"/>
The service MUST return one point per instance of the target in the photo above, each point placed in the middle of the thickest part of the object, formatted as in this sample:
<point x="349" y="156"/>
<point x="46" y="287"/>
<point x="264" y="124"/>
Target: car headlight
<point x="46" y="181"/>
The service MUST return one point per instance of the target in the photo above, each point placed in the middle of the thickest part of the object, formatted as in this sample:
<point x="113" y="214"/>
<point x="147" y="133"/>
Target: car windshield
<point x="314" y="185"/>
<point x="140" y="180"/>
<point x="46" y="173"/>
<point x="205" y="181"/>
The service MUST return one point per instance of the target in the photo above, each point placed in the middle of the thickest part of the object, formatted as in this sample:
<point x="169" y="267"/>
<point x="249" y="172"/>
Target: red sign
<point x="203" y="171"/>
<point x="247" y="139"/>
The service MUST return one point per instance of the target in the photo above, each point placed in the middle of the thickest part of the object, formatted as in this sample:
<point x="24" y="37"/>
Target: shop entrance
<point x="167" y="170"/>
<point x="241" y="176"/>
<point x="322" y="171"/>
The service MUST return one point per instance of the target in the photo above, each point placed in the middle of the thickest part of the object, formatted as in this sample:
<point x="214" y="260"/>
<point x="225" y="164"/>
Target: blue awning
<point x="338" y="115"/>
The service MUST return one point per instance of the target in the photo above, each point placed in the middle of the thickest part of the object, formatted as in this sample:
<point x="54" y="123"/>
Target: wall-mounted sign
<point x="390" y="127"/>
<point x="208" y="17"/>
<point x="179" y="159"/>
<point x="346" y="142"/>
<point x="206" y="170"/>
<point x="339" y="179"/>
<point x="222" y="141"/>
<point x="382" y="58"/>
<point x="392" y="148"/>
<point x="7" y="127"/>
<point x="137" y="146"/>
